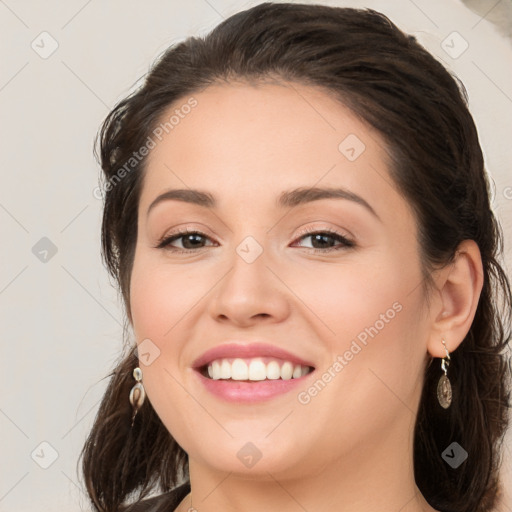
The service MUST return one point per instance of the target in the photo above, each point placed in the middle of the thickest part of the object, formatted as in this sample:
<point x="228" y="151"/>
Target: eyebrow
<point x="287" y="199"/>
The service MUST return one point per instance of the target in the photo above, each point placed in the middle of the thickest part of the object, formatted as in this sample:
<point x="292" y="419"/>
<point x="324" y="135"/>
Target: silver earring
<point x="137" y="393"/>
<point x="444" y="388"/>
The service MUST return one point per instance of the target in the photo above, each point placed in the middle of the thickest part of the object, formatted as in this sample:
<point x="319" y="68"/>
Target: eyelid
<point x="311" y="230"/>
<point x="185" y="228"/>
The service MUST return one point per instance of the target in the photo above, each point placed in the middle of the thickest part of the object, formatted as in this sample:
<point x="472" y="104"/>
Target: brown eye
<point x="191" y="240"/>
<point x="320" y="240"/>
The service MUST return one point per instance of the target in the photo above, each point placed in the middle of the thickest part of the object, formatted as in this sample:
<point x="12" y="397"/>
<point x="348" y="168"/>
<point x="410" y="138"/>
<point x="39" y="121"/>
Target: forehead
<point x="251" y="141"/>
<point x="236" y="119"/>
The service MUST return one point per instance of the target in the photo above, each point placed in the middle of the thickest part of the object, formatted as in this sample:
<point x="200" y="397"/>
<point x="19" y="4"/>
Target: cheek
<point x="373" y="374"/>
<point x="160" y="297"/>
<point x="160" y="301"/>
<point x="373" y="325"/>
<point x="159" y="304"/>
<point x="346" y="297"/>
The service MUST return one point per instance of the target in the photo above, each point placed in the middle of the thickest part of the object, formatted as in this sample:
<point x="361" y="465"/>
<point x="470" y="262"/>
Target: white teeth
<point x="215" y="370"/>
<point x="239" y="369"/>
<point x="273" y="370"/>
<point x="287" y="371"/>
<point x="256" y="370"/>
<point x="225" y="370"/>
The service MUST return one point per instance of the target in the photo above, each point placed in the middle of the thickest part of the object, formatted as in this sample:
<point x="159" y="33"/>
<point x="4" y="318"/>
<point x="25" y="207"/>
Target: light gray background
<point x="61" y="321"/>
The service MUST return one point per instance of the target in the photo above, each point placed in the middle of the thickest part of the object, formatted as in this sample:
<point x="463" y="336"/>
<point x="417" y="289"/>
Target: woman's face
<point x="355" y="313"/>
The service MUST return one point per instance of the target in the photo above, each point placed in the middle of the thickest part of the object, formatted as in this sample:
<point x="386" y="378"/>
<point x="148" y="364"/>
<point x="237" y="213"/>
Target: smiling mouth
<point x="253" y="370"/>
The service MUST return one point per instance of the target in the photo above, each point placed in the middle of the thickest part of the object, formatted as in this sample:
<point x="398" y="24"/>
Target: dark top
<point x="166" y="502"/>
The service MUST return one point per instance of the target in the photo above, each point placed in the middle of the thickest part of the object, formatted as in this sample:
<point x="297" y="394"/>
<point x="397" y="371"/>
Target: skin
<point x="351" y="445"/>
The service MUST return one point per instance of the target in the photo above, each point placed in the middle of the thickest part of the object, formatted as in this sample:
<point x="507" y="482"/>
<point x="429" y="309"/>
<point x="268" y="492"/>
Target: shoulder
<point x="167" y="501"/>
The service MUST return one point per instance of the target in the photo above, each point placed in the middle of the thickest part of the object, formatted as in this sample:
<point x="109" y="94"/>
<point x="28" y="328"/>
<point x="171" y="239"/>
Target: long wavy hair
<point x="392" y="83"/>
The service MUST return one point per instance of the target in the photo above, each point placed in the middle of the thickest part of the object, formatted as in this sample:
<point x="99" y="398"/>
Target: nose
<point x="249" y="292"/>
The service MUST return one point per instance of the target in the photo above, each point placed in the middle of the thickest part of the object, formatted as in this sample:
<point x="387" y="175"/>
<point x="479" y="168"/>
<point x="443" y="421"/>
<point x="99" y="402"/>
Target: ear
<point x="458" y="288"/>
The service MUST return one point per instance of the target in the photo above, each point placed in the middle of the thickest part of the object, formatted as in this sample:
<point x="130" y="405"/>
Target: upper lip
<point x="247" y="350"/>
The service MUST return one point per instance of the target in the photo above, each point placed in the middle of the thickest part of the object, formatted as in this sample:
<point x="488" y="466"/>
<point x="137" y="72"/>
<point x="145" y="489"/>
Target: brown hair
<point x="396" y="86"/>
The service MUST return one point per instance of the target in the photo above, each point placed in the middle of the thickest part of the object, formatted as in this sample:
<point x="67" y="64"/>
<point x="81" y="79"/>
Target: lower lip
<point x="250" y="392"/>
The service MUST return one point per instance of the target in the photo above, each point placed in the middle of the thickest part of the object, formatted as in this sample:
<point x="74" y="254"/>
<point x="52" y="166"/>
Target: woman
<point x="298" y="217"/>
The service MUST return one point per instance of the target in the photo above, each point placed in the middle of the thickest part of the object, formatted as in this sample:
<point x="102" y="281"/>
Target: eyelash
<point x="164" y="243"/>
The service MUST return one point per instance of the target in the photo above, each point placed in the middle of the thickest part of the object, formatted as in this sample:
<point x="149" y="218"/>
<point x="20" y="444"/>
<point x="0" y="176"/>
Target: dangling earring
<point x="444" y="388"/>
<point x="137" y="393"/>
